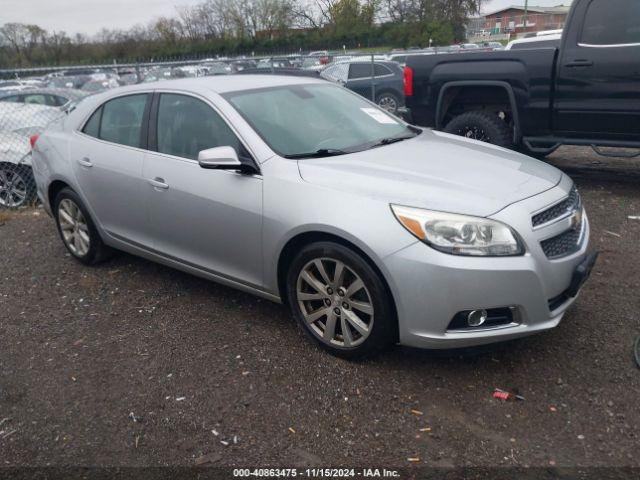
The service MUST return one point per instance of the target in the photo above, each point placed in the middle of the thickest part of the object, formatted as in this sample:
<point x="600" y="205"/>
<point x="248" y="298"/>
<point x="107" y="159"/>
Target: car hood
<point x="436" y="171"/>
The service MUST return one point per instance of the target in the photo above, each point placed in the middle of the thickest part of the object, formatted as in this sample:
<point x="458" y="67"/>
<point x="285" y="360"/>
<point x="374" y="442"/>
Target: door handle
<point x="85" y="162"/>
<point x="579" y="63"/>
<point x="159" y="183"/>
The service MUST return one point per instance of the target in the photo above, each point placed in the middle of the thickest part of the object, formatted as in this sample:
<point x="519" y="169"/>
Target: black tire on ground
<point x="17" y="186"/>
<point x="388" y="101"/>
<point x="97" y="251"/>
<point x="483" y="126"/>
<point x="384" y="329"/>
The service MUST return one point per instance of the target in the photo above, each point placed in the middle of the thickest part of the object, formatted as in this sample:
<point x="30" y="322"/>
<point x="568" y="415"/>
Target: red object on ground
<point x="501" y="395"/>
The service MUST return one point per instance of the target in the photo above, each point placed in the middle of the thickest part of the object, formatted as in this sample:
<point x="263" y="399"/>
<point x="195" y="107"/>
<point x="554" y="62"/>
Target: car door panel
<point x="597" y="92"/>
<point x="211" y="219"/>
<point x="111" y="174"/>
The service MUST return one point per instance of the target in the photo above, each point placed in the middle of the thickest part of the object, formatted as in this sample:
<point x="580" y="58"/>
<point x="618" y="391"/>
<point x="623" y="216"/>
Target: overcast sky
<point x="89" y="16"/>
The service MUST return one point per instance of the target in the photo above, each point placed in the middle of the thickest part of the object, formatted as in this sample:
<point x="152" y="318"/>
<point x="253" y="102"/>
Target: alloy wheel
<point x="388" y="103"/>
<point x="13" y="189"/>
<point x="335" y="302"/>
<point x="74" y="228"/>
<point x="474" y="133"/>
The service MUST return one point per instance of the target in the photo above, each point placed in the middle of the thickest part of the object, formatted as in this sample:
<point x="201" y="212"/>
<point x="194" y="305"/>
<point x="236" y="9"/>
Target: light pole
<point x="526" y="9"/>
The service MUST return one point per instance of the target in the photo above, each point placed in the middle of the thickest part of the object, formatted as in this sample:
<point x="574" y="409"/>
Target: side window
<point x="55" y="100"/>
<point x="612" y="22"/>
<point x="381" y="70"/>
<point x="92" y="127"/>
<point x="359" y="70"/>
<point x="336" y="72"/>
<point x="187" y="126"/>
<point x="122" y="120"/>
<point x="12" y="99"/>
<point x="35" y="99"/>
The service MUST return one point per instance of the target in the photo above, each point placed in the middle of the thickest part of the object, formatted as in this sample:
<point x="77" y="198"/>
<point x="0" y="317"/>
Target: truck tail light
<point x="32" y="140"/>
<point x="408" y="81"/>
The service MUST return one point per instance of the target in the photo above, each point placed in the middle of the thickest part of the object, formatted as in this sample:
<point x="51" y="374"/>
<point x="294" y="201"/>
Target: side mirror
<point x="220" y="158"/>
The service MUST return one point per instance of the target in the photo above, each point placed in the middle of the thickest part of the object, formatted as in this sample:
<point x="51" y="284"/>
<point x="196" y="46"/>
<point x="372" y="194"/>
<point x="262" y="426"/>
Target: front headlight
<point x="459" y="234"/>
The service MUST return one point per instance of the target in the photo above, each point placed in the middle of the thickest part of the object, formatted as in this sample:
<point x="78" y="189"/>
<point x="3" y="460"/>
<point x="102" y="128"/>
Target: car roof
<point x="221" y="84"/>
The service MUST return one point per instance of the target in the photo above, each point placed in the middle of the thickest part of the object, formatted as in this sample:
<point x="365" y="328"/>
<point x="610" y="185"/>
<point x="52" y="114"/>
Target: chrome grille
<point x="568" y="205"/>
<point x="562" y="245"/>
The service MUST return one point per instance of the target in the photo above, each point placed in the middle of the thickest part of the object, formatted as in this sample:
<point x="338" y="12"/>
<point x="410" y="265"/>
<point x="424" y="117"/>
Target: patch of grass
<point x="5" y="216"/>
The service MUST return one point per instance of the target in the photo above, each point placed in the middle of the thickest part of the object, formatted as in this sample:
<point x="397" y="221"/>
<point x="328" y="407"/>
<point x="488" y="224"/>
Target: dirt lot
<point x="135" y="364"/>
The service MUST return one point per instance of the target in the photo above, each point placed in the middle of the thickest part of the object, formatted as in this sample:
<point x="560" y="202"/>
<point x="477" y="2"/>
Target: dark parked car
<point x="584" y="93"/>
<point x="359" y="76"/>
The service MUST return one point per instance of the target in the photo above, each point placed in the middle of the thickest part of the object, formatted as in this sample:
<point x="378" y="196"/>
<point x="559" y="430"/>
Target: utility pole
<point x="526" y="9"/>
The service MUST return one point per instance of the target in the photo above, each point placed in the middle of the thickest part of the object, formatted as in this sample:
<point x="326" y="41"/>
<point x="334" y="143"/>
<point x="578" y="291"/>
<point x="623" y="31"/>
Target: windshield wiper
<point x="390" y="140"/>
<point x="323" y="152"/>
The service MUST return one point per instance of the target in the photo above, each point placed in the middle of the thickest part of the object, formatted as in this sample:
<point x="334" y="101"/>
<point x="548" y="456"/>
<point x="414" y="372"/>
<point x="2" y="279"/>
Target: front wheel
<point x="340" y="301"/>
<point x="483" y="126"/>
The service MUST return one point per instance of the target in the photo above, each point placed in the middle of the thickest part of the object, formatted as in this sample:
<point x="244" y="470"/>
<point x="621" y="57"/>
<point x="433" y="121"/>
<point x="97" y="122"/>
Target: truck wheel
<point x="482" y="126"/>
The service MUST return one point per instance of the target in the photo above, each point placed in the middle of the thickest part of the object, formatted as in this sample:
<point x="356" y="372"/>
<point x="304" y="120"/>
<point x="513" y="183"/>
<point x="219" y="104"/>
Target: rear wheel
<point x="340" y="301"/>
<point x="77" y="230"/>
<point x="482" y="126"/>
<point x="17" y="185"/>
<point x="388" y="101"/>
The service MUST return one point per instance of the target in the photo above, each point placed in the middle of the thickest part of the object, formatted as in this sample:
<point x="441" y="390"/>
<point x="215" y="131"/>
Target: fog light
<point x="477" y="318"/>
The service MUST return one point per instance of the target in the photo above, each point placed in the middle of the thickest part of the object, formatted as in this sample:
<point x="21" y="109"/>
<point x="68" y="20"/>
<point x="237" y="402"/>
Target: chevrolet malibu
<point x="373" y="231"/>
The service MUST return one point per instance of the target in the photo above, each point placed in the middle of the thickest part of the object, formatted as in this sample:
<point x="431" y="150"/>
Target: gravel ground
<point x="135" y="364"/>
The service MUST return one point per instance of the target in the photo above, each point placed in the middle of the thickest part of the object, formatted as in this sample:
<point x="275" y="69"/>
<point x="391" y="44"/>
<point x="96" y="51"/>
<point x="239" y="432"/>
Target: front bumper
<point x="430" y="287"/>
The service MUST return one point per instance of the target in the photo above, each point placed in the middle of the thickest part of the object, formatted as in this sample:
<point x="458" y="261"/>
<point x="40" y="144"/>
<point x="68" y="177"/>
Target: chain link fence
<point x="19" y="122"/>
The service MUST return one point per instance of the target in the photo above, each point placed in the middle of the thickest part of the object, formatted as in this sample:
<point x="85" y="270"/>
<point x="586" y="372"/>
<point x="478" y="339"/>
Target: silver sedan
<point x="373" y="231"/>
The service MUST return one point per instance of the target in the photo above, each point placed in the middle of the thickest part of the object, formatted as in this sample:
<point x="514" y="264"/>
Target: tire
<point x="77" y="230"/>
<point x="388" y="101"/>
<point x="482" y="126"/>
<point x="364" y="318"/>
<point x="17" y="186"/>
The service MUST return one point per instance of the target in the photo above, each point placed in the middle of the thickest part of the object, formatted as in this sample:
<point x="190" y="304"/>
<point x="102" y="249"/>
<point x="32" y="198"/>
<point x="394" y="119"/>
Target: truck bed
<point x="530" y="74"/>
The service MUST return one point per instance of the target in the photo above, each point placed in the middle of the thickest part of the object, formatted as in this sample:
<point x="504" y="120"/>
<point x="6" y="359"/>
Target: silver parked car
<point x="373" y="231"/>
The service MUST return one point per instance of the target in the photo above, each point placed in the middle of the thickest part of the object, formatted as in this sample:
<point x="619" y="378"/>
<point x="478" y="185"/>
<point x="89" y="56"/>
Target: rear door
<point x="208" y="219"/>
<point x="598" y="81"/>
<point x="107" y="156"/>
<point x="360" y="78"/>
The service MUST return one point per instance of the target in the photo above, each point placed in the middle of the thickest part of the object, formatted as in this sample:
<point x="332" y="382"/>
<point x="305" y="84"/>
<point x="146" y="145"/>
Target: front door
<point x="598" y="83"/>
<point x="208" y="219"/>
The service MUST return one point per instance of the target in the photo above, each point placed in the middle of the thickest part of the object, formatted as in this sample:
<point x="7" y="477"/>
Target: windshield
<point x="303" y="120"/>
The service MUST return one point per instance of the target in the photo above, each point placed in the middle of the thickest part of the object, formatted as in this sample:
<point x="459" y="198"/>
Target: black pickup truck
<point x="587" y="92"/>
